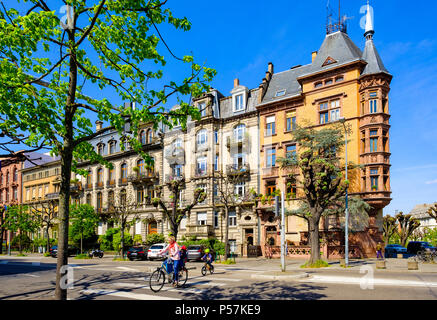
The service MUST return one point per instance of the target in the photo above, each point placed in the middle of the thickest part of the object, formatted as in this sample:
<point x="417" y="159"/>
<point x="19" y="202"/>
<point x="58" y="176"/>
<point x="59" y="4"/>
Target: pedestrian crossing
<point x="141" y="289"/>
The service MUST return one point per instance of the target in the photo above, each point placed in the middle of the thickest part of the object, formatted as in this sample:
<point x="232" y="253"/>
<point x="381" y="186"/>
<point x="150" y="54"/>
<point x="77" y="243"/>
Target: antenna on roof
<point x="340" y="25"/>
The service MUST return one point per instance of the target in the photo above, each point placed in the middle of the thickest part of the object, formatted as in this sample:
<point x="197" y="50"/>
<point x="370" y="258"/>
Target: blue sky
<point x="239" y="38"/>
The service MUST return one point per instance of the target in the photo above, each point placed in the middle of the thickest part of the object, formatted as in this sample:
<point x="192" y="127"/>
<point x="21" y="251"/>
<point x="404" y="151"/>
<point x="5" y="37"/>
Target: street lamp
<point x="346" y="224"/>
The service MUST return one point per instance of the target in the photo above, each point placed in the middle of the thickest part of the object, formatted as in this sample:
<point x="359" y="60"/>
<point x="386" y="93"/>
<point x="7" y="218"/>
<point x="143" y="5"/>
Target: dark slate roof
<point x="374" y="61"/>
<point x="337" y="46"/>
<point x="38" y="159"/>
<point x="285" y="80"/>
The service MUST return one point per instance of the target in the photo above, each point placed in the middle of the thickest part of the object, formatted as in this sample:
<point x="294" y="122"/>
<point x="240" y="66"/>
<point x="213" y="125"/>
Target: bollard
<point x="380" y="264"/>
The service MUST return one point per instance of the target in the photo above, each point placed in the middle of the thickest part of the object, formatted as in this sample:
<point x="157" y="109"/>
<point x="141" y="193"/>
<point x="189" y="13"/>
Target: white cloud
<point x="431" y="182"/>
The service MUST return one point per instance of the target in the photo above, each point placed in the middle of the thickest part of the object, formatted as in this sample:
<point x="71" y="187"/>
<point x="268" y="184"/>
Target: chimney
<point x="313" y="55"/>
<point x="236" y="82"/>
<point x="99" y="125"/>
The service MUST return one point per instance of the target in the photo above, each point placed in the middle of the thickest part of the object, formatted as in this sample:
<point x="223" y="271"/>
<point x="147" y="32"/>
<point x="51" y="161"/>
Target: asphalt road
<point x="104" y="279"/>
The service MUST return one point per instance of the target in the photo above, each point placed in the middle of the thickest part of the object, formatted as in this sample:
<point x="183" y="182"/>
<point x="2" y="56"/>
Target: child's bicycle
<point x="207" y="267"/>
<point x="157" y="278"/>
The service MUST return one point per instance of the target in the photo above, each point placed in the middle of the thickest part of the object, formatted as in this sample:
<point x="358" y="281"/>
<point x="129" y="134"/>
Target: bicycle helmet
<point x="206" y="250"/>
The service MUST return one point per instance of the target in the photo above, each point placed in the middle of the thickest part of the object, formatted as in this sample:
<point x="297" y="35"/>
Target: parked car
<point x="153" y="251"/>
<point x="392" y="250"/>
<point x="416" y="246"/>
<point x="72" y="251"/>
<point x="195" y="252"/>
<point x="137" y="253"/>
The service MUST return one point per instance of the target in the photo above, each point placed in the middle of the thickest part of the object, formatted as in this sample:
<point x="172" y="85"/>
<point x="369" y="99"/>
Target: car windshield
<point x="426" y="245"/>
<point x="156" y="247"/>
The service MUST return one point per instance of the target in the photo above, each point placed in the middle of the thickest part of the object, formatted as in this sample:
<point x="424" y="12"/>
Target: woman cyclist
<point x="174" y="253"/>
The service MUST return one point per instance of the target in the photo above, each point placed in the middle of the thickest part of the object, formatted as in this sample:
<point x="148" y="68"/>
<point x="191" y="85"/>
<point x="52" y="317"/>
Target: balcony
<point x="54" y="195"/>
<point x="270" y="172"/>
<point x="242" y="143"/>
<point x="238" y="170"/>
<point x="122" y="182"/>
<point x="110" y="183"/>
<point x="76" y="188"/>
<point x="200" y="230"/>
<point x="169" y="178"/>
<point x="144" y="177"/>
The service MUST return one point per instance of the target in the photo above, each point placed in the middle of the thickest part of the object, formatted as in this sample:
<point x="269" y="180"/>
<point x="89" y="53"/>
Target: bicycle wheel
<point x="203" y="270"/>
<point x="157" y="280"/>
<point x="183" y="276"/>
<point x="211" y="269"/>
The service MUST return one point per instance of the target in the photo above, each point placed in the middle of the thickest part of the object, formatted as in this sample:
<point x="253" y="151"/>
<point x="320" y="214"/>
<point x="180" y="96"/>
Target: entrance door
<point x="153" y="227"/>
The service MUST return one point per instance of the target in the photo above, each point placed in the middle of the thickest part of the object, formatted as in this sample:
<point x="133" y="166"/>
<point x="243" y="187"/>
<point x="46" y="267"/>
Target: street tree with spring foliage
<point x="174" y="210"/>
<point x="432" y="212"/>
<point x="389" y="228"/>
<point x="56" y="73"/>
<point x="319" y="176"/>
<point x="407" y="225"/>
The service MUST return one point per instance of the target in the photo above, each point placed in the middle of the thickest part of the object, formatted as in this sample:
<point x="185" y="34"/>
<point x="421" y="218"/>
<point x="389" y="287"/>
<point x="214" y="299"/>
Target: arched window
<point x="124" y="172"/>
<point x="89" y="179"/>
<point x="1" y="179"/>
<point x="15" y="175"/>
<point x="140" y="165"/>
<point x="123" y="197"/>
<point x="177" y="143"/>
<point x="202" y="138"/>
<point x="99" y="201"/>
<point x="101" y="149"/>
<point x="112" y="176"/>
<point x="112" y="149"/>
<point x="140" y="196"/>
<point x="7" y="177"/>
<point x="239" y="132"/>
<point x="151" y="167"/>
<point x="149" y="136"/>
<point x="88" y="198"/>
<point x="143" y="137"/>
<point x="100" y="177"/>
<point x="111" y="199"/>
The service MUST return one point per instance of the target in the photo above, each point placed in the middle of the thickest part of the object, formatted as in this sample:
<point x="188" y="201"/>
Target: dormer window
<point x="100" y="149"/>
<point x="280" y="93"/>
<point x="202" y="109"/>
<point x="239" y="103"/>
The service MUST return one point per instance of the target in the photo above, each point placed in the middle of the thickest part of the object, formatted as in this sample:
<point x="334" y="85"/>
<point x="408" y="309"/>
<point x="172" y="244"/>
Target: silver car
<point x="195" y="252"/>
<point x="153" y="252"/>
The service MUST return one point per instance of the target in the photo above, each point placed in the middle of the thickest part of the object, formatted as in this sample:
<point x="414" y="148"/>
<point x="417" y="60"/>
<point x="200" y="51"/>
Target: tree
<point x="432" y="211"/>
<point x="174" y="210"/>
<point x="230" y="199"/>
<point x="84" y="221"/>
<point x="389" y="227"/>
<point x="3" y="212"/>
<point x="20" y="219"/>
<point x="46" y="212"/>
<point x="321" y="179"/>
<point x="123" y="211"/>
<point x="407" y="225"/>
<point x="50" y="65"/>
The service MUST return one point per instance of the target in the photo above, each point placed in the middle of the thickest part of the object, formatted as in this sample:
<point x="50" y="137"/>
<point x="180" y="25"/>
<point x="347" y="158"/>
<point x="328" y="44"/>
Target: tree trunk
<point x="2" y="230"/>
<point x="226" y="233"/>
<point x="48" y="239"/>
<point x="122" y="240"/>
<point x="81" y="242"/>
<point x="64" y="211"/>
<point x="314" y="239"/>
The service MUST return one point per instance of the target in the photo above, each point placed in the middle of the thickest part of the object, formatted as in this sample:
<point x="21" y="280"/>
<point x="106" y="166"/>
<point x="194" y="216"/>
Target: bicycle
<point x="426" y="256"/>
<point x="157" y="278"/>
<point x="205" y="267"/>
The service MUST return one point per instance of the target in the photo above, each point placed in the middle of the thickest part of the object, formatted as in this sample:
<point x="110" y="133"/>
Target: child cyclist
<point x="183" y="257"/>
<point x="208" y="258"/>
<point x="174" y="254"/>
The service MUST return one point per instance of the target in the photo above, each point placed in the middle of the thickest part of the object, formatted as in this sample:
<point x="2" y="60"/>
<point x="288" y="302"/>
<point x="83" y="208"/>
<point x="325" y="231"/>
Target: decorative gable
<point x="329" y="61"/>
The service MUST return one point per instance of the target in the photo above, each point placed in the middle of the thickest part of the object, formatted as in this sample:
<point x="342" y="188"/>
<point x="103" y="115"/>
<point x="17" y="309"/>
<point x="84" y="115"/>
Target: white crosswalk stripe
<point x="124" y="294"/>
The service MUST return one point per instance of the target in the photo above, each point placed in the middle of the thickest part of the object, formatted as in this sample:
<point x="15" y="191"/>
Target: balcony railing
<point x="235" y="170"/>
<point x="143" y="177"/>
<point x="200" y="230"/>
<point x="170" y="177"/>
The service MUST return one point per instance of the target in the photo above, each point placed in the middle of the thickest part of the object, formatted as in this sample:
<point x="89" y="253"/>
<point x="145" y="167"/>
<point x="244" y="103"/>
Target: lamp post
<point x="346" y="224"/>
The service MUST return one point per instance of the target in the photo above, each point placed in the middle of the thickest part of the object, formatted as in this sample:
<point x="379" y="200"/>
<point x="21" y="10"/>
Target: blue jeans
<point x="176" y="265"/>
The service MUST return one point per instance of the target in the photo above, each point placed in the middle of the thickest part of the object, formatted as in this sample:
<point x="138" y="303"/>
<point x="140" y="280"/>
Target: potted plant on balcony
<point x="136" y="169"/>
<point x="374" y="188"/>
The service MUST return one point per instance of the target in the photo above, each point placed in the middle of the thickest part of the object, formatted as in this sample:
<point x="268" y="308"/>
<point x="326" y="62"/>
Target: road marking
<point x="30" y="275"/>
<point x="124" y="294"/>
<point x="128" y="269"/>
<point x="381" y="282"/>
